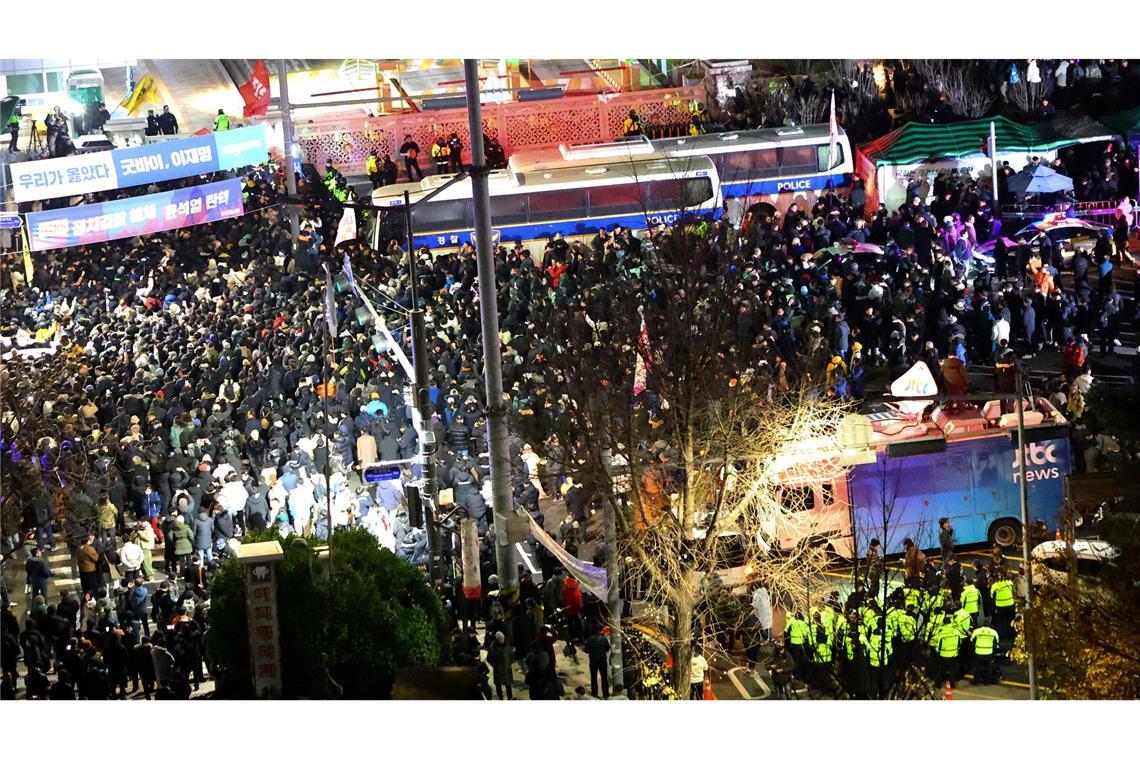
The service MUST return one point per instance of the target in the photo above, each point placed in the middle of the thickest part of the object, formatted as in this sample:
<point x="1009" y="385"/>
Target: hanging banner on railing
<point x="140" y="165"/>
<point x="145" y="215"/>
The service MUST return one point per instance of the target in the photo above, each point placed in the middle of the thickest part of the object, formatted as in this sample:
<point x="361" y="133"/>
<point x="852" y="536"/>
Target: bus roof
<point x="719" y="142"/>
<point x="510" y="182"/>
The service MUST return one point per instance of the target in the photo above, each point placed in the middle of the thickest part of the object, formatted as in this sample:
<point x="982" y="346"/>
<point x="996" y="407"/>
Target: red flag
<point x="255" y="92"/>
<point x="643" y="361"/>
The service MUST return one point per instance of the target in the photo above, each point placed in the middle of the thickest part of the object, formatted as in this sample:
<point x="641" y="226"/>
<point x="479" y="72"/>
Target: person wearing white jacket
<point x="999" y="334"/>
<point x="131" y="555"/>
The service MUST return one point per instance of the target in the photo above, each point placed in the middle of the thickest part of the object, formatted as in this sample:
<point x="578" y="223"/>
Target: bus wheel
<point x="1005" y="533"/>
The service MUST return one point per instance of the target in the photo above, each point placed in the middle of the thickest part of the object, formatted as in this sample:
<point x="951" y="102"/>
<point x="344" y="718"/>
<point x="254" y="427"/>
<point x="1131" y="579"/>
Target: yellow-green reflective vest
<point x="820" y="646"/>
<point x="962" y="622"/>
<point x="948" y="641"/>
<point x="875" y="650"/>
<point x="985" y="640"/>
<point x="1002" y="593"/>
<point x="912" y="597"/>
<point x="796" y="631"/>
<point x="970" y="598"/>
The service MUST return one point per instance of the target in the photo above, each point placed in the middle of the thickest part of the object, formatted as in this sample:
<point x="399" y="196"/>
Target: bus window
<point x="664" y="195"/>
<point x="697" y="191"/>
<point x="509" y="209"/>
<point x="800" y="159"/>
<point x="557" y="204"/>
<point x="615" y="199"/>
<point x="827" y="494"/>
<point x="824" y="151"/>
<point x="443" y="215"/>
<point x="797" y="499"/>
<point x="734" y="166"/>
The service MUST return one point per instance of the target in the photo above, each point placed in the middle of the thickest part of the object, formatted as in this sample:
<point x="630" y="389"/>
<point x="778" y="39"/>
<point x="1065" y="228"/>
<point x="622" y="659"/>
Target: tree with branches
<point x="1082" y="633"/>
<point x="699" y="429"/>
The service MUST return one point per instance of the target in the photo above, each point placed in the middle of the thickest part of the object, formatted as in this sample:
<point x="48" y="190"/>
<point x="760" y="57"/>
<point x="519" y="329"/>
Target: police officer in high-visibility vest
<point x="441" y="155"/>
<point x="854" y="657"/>
<point x="971" y="600"/>
<point x="632" y="125"/>
<point x="372" y="169"/>
<point x="1001" y="590"/>
<point x="820" y="652"/>
<point x="221" y="121"/>
<point x="878" y="660"/>
<point x="962" y="623"/>
<point x="795" y="636"/>
<point x="985" y="641"/>
<point x="947" y="647"/>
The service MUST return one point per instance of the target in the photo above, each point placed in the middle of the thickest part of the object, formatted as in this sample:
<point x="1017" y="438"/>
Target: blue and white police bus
<point x="532" y="202"/>
<point x="771" y="167"/>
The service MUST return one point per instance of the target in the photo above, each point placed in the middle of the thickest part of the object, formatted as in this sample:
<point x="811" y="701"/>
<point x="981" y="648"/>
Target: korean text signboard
<point x="260" y="561"/>
<point x="140" y="165"/>
<point x="145" y="215"/>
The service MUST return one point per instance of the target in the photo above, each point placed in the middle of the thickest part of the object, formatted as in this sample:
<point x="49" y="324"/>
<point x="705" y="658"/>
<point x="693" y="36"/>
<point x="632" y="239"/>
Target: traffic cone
<point x="948" y="695"/>
<point x="708" y="688"/>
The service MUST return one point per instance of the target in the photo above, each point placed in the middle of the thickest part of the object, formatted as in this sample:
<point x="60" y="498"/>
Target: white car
<point x="1051" y="563"/>
<point x="1067" y="235"/>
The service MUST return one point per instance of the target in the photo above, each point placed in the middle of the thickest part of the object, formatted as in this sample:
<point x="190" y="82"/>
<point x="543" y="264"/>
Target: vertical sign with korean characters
<point x="260" y="562"/>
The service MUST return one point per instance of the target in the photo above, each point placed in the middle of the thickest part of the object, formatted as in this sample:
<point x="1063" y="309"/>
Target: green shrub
<point x="376" y="615"/>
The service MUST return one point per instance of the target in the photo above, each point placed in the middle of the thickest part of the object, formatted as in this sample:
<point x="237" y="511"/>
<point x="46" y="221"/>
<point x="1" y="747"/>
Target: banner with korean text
<point x="140" y="165"/>
<point x="145" y="215"/>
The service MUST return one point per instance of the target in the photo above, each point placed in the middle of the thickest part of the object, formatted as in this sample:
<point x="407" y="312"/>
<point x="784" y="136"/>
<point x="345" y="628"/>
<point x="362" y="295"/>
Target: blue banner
<point x="162" y="161"/>
<point x="145" y="215"/>
<point x="140" y="165"/>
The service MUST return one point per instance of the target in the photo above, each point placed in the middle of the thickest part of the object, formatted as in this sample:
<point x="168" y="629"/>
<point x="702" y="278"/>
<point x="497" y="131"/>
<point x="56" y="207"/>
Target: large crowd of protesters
<point x="198" y="395"/>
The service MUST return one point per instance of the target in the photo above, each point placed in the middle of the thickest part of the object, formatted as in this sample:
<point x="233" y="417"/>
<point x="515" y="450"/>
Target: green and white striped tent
<point x="887" y="164"/>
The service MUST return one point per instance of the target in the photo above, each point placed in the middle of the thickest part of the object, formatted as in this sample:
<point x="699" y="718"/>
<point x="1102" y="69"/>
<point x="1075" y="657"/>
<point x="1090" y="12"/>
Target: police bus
<point x="913" y="470"/>
<point x="530" y="203"/>
<point x="771" y="168"/>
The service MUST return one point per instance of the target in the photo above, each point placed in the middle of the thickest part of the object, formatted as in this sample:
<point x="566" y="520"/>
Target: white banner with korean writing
<point x="59" y="177"/>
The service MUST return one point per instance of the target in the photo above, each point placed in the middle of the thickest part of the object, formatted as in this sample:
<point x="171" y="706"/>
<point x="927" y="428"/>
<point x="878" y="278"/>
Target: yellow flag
<point x="145" y="92"/>
<point x="29" y="270"/>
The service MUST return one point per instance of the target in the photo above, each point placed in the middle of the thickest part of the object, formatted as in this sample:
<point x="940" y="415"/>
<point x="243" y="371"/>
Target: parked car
<point x="1067" y="235"/>
<point x="1051" y="562"/>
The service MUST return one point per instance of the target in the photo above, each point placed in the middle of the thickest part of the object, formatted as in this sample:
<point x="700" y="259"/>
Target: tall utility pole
<point x="501" y="500"/>
<point x="994" y="170"/>
<point x="614" y="567"/>
<point x="287" y="133"/>
<point x="1023" y="493"/>
<point x="422" y="399"/>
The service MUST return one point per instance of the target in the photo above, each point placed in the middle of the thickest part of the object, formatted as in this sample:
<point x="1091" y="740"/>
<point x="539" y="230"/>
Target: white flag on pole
<point x="833" y="133"/>
<point x="346" y="230"/>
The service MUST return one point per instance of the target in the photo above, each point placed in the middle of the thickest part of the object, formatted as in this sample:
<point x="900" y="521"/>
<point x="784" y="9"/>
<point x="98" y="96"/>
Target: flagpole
<point x="994" y="172"/>
<point x="287" y="133"/>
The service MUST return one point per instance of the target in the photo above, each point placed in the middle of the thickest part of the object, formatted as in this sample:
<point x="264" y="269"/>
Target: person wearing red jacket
<point x="554" y="271"/>
<point x="572" y="598"/>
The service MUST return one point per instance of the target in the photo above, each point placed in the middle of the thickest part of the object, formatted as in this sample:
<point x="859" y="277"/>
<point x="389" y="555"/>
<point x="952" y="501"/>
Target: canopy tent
<point x="1126" y="123"/>
<point x="914" y="142"/>
<point x="918" y="151"/>
<point x="1039" y="179"/>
